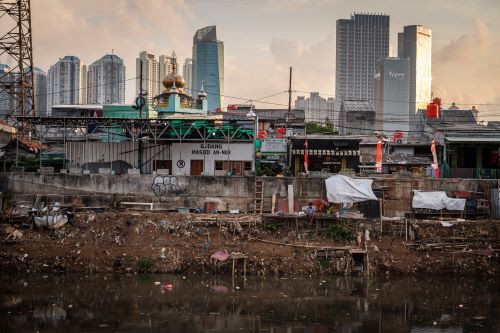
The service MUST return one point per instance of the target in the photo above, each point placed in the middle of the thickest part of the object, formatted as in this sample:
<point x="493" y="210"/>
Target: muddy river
<point x="145" y="303"/>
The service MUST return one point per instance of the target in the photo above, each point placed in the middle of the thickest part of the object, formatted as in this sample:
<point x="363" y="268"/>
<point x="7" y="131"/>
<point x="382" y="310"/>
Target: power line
<point x="388" y="100"/>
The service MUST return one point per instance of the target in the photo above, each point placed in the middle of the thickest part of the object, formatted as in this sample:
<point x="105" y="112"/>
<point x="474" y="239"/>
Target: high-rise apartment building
<point x="150" y="80"/>
<point x="106" y="81"/>
<point x="66" y="82"/>
<point x="362" y="40"/>
<point x="187" y="73"/>
<point x="208" y="66"/>
<point x="316" y="108"/>
<point x="166" y="66"/>
<point x="392" y="95"/>
<point x="415" y="43"/>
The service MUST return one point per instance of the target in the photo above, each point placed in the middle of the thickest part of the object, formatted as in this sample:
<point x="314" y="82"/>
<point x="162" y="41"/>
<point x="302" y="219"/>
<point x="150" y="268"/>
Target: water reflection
<point x="71" y="303"/>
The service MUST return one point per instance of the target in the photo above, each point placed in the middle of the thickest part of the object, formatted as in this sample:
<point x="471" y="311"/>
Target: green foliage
<point x="265" y="171"/>
<point x="145" y="264"/>
<point x="271" y="226"/>
<point x="340" y="231"/>
<point x="312" y="128"/>
<point x="324" y="263"/>
<point x="29" y="162"/>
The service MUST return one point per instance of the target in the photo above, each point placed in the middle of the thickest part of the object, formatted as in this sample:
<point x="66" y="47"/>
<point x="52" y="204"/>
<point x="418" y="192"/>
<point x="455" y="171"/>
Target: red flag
<point x="378" y="160"/>
<point x="306" y="158"/>
<point x="434" y="164"/>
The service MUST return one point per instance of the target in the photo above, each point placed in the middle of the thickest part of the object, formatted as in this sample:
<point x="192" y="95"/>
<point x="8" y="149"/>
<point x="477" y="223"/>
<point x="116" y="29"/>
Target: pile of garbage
<point x="50" y="216"/>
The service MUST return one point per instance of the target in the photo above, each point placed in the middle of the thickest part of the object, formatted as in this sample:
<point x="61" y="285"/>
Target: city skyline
<point x="272" y="48"/>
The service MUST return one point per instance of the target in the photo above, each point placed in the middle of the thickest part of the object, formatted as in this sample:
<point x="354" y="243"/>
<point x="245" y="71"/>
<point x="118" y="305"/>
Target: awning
<point x="327" y="152"/>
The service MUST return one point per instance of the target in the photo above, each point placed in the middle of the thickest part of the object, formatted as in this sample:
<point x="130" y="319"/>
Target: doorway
<point x="196" y="167"/>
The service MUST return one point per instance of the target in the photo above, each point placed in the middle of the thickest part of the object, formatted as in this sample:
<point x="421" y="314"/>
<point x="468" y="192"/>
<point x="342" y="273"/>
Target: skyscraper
<point x="166" y="66"/>
<point x="187" y="72"/>
<point x="7" y="102"/>
<point x="66" y="82"/>
<point x="415" y="43"/>
<point x="106" y="81"/>
<point x="362" y="40"/>
<point x="316" y="108"/>
<point x="208" y="66"/>
<point x="150" y="80"/>
<point x="392" y="88"/>
<point x="40" y="84"/>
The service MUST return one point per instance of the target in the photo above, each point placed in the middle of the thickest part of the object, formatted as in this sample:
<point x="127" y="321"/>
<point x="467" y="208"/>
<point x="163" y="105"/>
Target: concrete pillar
<point x="290" y="199"/>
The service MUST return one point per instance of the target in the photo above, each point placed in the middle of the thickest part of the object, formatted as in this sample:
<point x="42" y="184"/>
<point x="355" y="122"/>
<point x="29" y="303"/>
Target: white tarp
<point x="343" y="189"/>
<point x="436" y="200"/>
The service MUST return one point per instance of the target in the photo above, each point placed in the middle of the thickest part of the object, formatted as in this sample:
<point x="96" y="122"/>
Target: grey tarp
<point x="343" y="189"/>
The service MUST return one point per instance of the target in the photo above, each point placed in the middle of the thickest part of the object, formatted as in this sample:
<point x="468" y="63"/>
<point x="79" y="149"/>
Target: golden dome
<point x="168" y="82"/>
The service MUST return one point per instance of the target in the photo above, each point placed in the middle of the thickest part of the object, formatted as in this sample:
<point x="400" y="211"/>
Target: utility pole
<point x="288" y="119"/>
<point x="140" y="102"/>
<point x="290" y="92"/>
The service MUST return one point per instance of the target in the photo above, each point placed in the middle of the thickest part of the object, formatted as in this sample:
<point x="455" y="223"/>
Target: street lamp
<point x="252" y="116"/>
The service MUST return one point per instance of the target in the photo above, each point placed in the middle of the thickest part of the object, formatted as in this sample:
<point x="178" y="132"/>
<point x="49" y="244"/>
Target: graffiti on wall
<point x="165" y="185"/>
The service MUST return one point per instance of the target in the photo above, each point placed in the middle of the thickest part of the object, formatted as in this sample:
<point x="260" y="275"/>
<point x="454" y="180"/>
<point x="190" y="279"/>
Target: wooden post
<point x="233" y="266"/>
<point x="406" y="229"/>
<point x="273" y="203"/>
<point x="381" y="223"/>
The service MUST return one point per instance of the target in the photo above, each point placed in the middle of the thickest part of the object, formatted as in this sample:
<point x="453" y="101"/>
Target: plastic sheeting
<point x="436" y="200"/>
<point x="343" y="189"/>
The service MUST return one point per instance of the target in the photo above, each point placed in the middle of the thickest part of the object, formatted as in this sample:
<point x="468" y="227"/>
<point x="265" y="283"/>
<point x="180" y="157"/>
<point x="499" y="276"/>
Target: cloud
<point x="89" y="29"/>
<point x="467" y="71"/>
<point x="313" y="65"/>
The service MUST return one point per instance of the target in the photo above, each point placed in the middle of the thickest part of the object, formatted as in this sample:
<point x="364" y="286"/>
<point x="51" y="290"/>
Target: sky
<point x="263" y="38"/>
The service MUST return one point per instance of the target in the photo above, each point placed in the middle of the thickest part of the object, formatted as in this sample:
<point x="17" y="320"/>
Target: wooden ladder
<point x="259" y="196"/>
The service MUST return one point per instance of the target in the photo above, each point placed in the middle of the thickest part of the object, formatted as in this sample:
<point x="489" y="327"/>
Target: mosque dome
<point x="168" y="82"/>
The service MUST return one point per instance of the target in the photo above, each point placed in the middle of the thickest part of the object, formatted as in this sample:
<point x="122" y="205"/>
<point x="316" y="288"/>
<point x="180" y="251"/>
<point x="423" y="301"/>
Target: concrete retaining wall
<point x="194" y="191"/>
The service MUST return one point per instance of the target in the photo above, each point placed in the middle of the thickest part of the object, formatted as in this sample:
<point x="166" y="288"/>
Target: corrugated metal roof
<point x="32" y="144"/>
<point x="473" y="139"/>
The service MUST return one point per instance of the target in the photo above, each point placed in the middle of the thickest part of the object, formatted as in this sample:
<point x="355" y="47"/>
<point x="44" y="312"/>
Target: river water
<point x="112" y="303"/>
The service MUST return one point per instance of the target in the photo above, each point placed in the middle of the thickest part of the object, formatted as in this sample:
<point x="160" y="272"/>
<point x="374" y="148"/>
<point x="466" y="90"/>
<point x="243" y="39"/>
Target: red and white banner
<point x="378" y="160"/>
<point x="434" y="164"/>
<point x="306" y="157"/>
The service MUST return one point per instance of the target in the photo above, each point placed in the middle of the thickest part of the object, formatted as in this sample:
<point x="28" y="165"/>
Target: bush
<point x="145" y="264"/>
<point x="340" y="231"/>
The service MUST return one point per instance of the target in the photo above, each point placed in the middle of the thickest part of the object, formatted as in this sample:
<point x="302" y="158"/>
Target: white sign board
<point x="273" y="146"/>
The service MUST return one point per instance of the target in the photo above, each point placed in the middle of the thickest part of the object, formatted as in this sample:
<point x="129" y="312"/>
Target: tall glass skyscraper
<point x="392" y="87"/>
<point x="362" y="41"/>
<point x="208" y="66"/>
<point x="415" y="43"/>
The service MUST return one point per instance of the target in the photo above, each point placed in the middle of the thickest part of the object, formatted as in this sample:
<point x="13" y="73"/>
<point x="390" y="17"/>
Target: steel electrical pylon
<point x="17" y="80"/>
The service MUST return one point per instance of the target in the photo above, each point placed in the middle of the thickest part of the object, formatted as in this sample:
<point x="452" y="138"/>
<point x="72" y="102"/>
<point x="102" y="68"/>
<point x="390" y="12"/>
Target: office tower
<point x="208" y="66"/>
<point x="66" y="82"/>
<point x="106" y="81"/>
<point x="415" y="43"/>
<point x="40" y="87"/>
<point x="7" y="102"/>
<point x="166" y="66"/>
<point x="392" y="95"/>
<point x="362" y="40"/>
<point x="316" y="108"/>
<point x="150" y="80"/>
<point x="187" y="73"/>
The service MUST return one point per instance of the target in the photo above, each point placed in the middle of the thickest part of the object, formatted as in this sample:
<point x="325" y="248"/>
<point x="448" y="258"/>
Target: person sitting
<point x="310" y="211"/>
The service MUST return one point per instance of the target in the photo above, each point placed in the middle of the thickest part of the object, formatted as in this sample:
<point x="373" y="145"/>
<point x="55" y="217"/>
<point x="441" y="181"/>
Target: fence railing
<point x="474" y="173"/>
